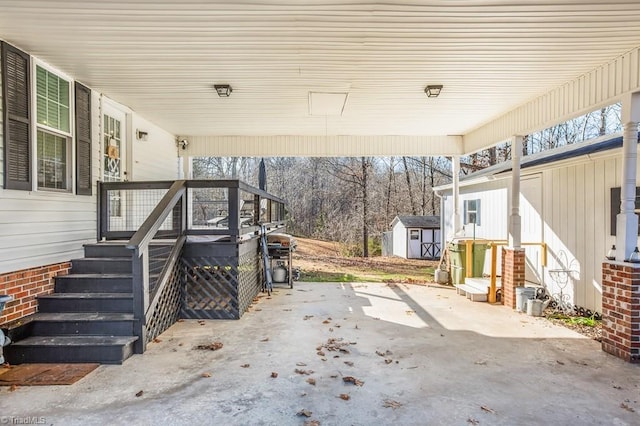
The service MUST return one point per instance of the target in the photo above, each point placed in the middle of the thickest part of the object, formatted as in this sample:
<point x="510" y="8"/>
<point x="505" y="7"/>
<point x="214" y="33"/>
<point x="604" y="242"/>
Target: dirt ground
<point x="318" y="259"/>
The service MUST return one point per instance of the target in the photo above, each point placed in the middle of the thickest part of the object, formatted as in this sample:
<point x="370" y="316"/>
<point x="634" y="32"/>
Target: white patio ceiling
<point x="161" y="58"/>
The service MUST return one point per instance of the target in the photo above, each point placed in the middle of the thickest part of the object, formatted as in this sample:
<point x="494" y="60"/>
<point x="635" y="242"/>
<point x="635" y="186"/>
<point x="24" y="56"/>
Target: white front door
<point x="113" y="152"/>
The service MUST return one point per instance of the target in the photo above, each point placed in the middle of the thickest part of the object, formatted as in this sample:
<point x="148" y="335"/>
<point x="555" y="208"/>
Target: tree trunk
<point x="408" y="176"/>
<point x="365" y="210"/>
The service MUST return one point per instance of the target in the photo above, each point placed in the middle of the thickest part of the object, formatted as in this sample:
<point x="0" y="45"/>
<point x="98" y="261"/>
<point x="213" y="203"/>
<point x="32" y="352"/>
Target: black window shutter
<point x="16" y="100"/>
<point x="83" y="139"/>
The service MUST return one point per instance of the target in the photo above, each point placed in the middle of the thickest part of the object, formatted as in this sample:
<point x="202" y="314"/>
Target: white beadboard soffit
<point x="161" y="58"/>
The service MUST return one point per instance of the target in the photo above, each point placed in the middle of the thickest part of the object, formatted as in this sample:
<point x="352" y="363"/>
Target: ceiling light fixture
<point x="223" y="90"/>
<point x="433" y="91"/>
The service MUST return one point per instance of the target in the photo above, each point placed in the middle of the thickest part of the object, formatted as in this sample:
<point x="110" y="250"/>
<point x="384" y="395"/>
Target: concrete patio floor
<point x="431" y="356"/>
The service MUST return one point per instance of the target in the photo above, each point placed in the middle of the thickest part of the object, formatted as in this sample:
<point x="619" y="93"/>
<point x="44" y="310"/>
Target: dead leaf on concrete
<point x="312" y="423"/>
<point x="334" y="376"/>
<point x="211" y="346"/>
<point x="350" y="379"/>
<point x="410" y="312"/>
<point x="180" y="320"/>
<point x="15" y="387"/>
<point x="480" y="363"/>
<point x="345" y="396"/>
<point x="560" y="362"/>
<point x="349" y="363"/>
<point x="311" y="381"/>
<point x="388" y="361"/>
<point x="301" y="364"/>
<point x="326" y="322"/>
<point x="487" y="409"/>
<point x="626" y="407"/>
<point x="306" y="317"/>
<point x="139" y="394"/>
<point x="156" y="340"/>
<point x="303" y="372"/>
<point x="472" y="421"/>
<point x="385" y="353"/>
<point x="274" y="374"/>
<point x="206" y="375"/>
<point x="245" y="366"/>
<point x="305" y="413"/>
<point x="320" y="353"/>
<point x="266" y="339"/>
<point x="337" y="325"/>
<point x="390" y="403"/>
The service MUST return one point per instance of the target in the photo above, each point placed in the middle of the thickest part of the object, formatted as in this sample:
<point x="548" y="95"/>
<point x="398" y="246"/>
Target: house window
<point x="414" y="234"/>
<point x="472" y="212"/>
<point x="53" y="121"/>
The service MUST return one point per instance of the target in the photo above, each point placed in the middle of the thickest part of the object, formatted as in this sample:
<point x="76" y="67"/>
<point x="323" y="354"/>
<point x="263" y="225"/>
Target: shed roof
<point x="429" y="222"/>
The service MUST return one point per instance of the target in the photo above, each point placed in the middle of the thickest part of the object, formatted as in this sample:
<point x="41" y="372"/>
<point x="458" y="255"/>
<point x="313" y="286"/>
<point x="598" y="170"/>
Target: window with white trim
<point x="53" y="129"/>
<point x="472" y="212"/>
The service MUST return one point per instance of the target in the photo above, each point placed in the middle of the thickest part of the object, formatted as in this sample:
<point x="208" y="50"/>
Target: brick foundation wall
<point x="513" y="263"/>
<point x="621" y="310"/>
<point x="25" y="285"/>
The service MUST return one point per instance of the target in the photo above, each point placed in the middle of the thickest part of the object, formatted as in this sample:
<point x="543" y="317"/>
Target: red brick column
<point x="512" y="274"/>
<point x="621" y="310"/>
<point x="25" y="285"/>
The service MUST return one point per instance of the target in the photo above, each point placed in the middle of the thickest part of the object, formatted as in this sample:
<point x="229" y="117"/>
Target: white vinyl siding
<point x="155" y="158"/>
<point x="1" y="130"/>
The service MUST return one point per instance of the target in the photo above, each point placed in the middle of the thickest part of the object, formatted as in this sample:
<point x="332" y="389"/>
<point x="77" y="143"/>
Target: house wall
<point x="399" y="240"/>
<point x="568" y="204"/>
<point x="41" y="231"/>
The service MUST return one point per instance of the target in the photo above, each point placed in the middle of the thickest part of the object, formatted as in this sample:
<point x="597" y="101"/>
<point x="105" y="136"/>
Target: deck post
<point x="455" y="173"/>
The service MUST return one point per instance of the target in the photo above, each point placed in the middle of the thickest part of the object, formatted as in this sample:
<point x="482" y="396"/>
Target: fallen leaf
<point x="350" y="379"/>
<point x="617" y="387"/>
<point x="487" y="409"/>
<point x="480" y="363"/>
<point x="257" y="310"/>
<point x="266" y="339"/>
<point x="312" y="423"/>
<point x="345" y="396"/>
<point x="349" y="363"/>
<point x="274" y="374"/>
<point x="356" y="327"/>
<point x="305" y="413"/>
<point x="156" y="340"/>
<point x="245" y="366"/>
<point x="626" y="407"/>
<point x="410" y="312"/>
<point x="337" y="325"/>
<point x="301" y="364"/>
<point x="180" y="344"/>
<point x="139" y="394"/>
<point x="303" y="372"/>
<point x="180" y="320"/>
<point x="560" y="362"/>
<point x="15" y="387"/>
<point x="472" y="421"/>
<point x="306" y="317"/>
<point x="388" y="361"/>
<point x="320" y="353"/>
<point x="211" y="346"/>
<point x="311" y="381"/>
<point x="334" y="376"/>
<point x="206" y="375"/>
<point x="326" y="322"/>
<point x="390" y="403"/>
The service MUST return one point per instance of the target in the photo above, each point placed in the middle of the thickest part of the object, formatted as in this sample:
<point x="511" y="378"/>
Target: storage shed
<point x="416" y="237"/>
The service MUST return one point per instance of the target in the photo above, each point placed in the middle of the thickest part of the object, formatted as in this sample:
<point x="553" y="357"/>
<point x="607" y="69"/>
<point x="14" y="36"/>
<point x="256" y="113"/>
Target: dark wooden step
<point x="86" y="302"/>
<point x="76" y="323"/>
<point x="101" y="265"/>
<point x="107" y="250"/>
<point x="70" y="349"/>
<point x="94" y="283"/>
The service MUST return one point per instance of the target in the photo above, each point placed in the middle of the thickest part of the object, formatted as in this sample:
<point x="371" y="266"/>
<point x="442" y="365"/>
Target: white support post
<point x="627" y="219"/>
<point x="186" y="172"/>
<point x="515" y="232"/>
<point x="455" y="172"/>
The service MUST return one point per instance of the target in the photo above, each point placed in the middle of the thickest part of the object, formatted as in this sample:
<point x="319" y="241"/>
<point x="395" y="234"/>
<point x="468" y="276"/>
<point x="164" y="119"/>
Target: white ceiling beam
<point x="603" y="86"/>
<point x="321" y="146"/>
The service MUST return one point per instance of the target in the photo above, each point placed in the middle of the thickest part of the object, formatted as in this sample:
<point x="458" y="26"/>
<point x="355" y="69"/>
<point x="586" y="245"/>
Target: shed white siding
<point x="567" y="204"/>
<point x="44" y="227"/>
<point x="399" y="240"/>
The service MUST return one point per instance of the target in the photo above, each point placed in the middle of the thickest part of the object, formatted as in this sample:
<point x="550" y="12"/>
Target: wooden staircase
<point x="88" y="318"/>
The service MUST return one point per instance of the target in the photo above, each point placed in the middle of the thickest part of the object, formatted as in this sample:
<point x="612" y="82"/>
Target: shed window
<point x="53" y="119"/>
<point x="472" y="212"/>
<point x="414" y="234"/>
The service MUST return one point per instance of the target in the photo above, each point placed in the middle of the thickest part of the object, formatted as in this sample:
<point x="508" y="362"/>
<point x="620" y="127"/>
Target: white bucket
<point x="441" y="276"/>
<point x="534" y="307"/>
